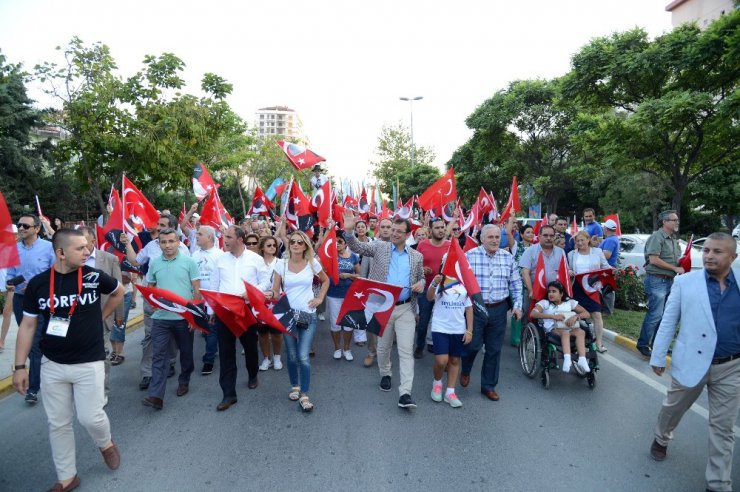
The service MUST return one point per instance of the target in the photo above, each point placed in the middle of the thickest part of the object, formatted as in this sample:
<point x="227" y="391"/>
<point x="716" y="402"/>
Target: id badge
<point x="58" y="327"/>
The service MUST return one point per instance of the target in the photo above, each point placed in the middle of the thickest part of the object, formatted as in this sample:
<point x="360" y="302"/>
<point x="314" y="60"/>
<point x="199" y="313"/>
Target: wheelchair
<point x="541" y="350"/>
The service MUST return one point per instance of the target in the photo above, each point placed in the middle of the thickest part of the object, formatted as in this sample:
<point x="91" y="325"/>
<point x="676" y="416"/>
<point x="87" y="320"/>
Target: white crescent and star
<point x="449" y="191"/>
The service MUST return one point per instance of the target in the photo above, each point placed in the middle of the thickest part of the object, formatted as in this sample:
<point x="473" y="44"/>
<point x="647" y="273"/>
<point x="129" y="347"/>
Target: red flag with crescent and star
<point x="512" y="205"/>
<point x="9" y="256"/>
<point x="456" y="266"/>
<point x="203" y="183"/>
<point x="261" y="205"/>
<point x="564" y="277"/>
<point x="301" y="157"/>
<point x="321" y="203"/>
<point x="137" y="208"/>
<point x="443" y="191"/>
<point x="539" y="287"/>
<point x="329" y="257"/>
<point x="231" y="310"/>
<point x="592" y="282"/>
<point x="368" y="305"/>
<point x="194" y="312"/>
<point x="214" y="214"/>
<point x="279" y="317"/>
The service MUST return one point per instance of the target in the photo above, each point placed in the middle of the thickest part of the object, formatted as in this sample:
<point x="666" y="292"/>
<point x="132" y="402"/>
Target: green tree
<point x="394" y="156"/>
<point x="414" y="180"/>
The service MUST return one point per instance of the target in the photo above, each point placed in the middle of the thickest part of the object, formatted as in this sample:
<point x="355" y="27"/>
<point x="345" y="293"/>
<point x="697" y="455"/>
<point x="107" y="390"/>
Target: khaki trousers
<point x="723" y="388"/>
<point x="402" y="327"/>
<point x="70" y="388"/>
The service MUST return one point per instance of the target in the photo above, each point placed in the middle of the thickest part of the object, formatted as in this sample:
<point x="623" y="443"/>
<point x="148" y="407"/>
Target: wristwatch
<point x="15" y="367"/>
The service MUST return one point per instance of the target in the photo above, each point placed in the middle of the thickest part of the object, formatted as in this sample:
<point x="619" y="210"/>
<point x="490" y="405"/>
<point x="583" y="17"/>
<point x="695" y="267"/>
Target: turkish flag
<point x="298" y="211"/>
<point x="537" y="227"/>
<point x="321" y="203"/>
<point x="685" y="260"/>
<point x="405" y="211"/>
<point x="564" y="278"/>
<point x="300" y="157"/>
<point x="615" y="218"/>
<point x="474" y="218"/>
<point x="8" y="247"/>
<point x="362" y="206"/>
<point x="470" y="243"/>
<point x="110" y="242"/>
<point x="261" y="205"/>
<point x="456" y="266"/>
<point x="214" y="214"/>
<point x="441" y="192"/>
<point x="194" y="312"/>
<point x="539" y="287"/>
<point x="512" y="205"/>
<point x="337" y="212"/>
<point x="329" y="257"/>
<point x="592" y="282"/>
<point x="137" y="208"/>
<point x="350" y="202"/>
<point x="574" y="227"/>
<point x="231" y="310"/>
<point x="203" y="183"/>
<point x="485" y="205"/>
<point x="279" y="317"/>
<point x="368" y="305"/>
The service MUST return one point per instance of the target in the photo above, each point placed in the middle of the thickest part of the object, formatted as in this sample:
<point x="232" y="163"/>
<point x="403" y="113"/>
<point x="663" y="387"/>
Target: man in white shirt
<point x="236" y="266"/>
<point x="318" y="179"/>
<point x="206" y="256"/>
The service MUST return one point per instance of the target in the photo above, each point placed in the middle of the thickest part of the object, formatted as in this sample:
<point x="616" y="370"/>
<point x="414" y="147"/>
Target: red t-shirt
<point x="432" y="256"/>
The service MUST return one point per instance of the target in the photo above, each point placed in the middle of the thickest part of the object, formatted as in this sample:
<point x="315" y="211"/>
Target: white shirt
<point x="448" y="315"/>
<point x="231" y="272"/>
<point x="264" y="277"/>
<point x="153" y="250"/>
<point x="206" y="260"/>
<point x="298" y="286"/>
<point x="568" y="308"/>
<point x="317" y="183"/>
<point x="91" y="259"/>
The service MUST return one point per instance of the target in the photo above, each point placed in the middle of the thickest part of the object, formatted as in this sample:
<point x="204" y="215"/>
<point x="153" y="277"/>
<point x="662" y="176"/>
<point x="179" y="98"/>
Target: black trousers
<point x="227" y="356"/>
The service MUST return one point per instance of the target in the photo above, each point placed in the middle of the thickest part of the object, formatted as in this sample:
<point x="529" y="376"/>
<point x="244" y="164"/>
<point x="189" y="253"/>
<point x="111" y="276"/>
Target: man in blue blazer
<point x="706" y="353"/>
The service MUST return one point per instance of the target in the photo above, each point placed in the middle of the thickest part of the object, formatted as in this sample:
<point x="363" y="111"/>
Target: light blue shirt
<point x="35" y="259"/>
<point x="399" y="272"/>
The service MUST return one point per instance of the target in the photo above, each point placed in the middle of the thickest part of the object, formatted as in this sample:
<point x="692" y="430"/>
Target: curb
<point x="6" y="385"/>
<point x="628" y="343"/>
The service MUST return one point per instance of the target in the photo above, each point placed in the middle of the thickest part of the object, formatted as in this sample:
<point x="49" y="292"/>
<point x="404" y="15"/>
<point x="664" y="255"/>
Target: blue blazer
<point x="697" y="339"/>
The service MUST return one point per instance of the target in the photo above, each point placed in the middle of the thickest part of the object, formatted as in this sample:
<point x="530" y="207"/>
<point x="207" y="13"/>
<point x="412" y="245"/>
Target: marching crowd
<point x="71" y="301"/>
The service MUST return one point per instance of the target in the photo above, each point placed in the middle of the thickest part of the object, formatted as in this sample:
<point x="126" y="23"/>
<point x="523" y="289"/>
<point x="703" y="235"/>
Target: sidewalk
<point x="7" y="356"/>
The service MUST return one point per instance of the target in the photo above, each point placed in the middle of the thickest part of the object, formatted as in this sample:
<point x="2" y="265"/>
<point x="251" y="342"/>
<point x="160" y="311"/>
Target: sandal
<point x="118" y="360"/>
<point x="305" y="404"/>
<point x="295" y="393"/>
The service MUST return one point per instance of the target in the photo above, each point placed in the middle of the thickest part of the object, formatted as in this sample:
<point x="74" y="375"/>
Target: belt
<point x="667" y="277"/>
<point x="494" y="304"/>
<point x="722" y="360"/>
<point x="399" y="303"/>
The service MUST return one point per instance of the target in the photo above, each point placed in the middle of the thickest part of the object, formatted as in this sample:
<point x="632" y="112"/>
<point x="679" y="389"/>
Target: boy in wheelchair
<point x="561" y="314"/>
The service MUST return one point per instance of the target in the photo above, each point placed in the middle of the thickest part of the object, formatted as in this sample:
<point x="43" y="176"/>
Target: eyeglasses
<point x="456" y="229"/>
<point x="251" y="243"/>
<point x="296" y="241"/>
<point x="270" y="245"/>
<point x="672" y="220"/>
<point x="21" y="225"/>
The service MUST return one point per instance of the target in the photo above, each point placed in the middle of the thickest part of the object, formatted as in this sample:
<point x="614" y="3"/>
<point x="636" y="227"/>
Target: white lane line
<point x="696" y="408"/>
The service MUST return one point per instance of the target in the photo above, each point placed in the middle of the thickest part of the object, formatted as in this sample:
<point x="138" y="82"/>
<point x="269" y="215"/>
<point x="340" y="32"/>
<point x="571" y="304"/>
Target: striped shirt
<point x="497" y="275"/>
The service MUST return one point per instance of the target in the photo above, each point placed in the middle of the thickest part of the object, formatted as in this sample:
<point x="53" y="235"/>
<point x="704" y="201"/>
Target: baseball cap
<point x="611" y="225"/>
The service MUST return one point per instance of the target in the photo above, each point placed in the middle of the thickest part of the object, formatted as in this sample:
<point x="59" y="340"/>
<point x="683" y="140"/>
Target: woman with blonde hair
<point x="294" y="275"/>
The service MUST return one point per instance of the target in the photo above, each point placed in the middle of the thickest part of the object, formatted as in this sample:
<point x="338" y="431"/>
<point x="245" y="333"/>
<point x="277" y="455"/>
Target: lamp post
<point x="411" y="100"/>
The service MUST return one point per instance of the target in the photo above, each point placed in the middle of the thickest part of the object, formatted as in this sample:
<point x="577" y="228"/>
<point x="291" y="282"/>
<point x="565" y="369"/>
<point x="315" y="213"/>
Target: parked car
<point x="698" y="244"/>
<point x="736" y="231"/>
<point x="632" y="252"/>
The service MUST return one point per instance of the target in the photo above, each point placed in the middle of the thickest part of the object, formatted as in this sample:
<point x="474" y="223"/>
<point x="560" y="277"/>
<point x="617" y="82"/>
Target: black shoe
<point x="252" y="383"/>
<point x="645" y="351"/>
<point x="31" y="398"/>
<point x="418" y="353"/>
<point x="144" y="384"/>
<point x="385" y="383"/>
<point x="430" y="348"/>
<point x="207" y="369"/>
<point x="151" y="401"/>
<point x="172" y="371"/>
<point x="406" y="402"/>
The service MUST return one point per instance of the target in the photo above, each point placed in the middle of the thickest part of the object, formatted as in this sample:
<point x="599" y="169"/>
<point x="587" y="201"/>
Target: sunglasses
<point x="251" y="243"/>
<point x="296" y="241"/>
<point x="456" y="229"/>
<point x="270" y="245"/>
<point x="24" y="226"/>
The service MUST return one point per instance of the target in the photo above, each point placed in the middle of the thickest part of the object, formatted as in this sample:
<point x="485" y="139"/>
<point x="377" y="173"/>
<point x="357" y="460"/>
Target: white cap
<point x="195" y="214"/>
<point x="611" y="225"/>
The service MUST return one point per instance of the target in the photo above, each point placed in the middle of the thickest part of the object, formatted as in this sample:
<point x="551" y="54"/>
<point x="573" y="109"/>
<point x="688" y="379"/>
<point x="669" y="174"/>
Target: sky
<point x="341" y="65"/>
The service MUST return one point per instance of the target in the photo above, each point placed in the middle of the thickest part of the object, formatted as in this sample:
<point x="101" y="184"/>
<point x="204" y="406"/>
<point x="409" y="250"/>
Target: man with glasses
<point x="36" y="255"/>
<point x="433" y="249"/>
<point x="662" y="252"/>
<point x="551" y="254"/>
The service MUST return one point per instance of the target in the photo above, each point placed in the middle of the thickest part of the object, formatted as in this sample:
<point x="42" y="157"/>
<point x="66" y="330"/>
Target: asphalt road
<point x="564" y="438"/>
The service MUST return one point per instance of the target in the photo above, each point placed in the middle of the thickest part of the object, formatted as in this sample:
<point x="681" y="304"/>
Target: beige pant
<point x="70" y="388"/>
<point x="723" y="388"/>
<point x="402" y="327"/>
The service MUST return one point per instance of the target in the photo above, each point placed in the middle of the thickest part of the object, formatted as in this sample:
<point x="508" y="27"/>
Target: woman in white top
<point x="586" y="258"/>
<point x="295" y="276"/>
<point x="268" y="250"/>
<point x="452" y="328"/>
<point x="562" y="315"/>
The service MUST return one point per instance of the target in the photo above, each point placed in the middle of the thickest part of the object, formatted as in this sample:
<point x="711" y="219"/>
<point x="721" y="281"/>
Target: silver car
<point x="632" y="252"/>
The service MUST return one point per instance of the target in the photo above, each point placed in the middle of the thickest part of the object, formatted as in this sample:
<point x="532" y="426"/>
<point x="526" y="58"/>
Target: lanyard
<point x="52" y="304"/>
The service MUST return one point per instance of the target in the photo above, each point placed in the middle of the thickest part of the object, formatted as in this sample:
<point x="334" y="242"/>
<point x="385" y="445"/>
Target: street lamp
<point x="411" y="100"/>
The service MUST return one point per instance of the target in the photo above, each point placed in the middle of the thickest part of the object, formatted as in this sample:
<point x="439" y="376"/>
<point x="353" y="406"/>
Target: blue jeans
<point x="211" y="344"/>
<point x="118" y="333"/>
<point x="34" y="357"/>
<point x="298" y="354"/>
<point x="425" y="314"/>
<point x="490" y="331"/>
<point x="657" y="290"/>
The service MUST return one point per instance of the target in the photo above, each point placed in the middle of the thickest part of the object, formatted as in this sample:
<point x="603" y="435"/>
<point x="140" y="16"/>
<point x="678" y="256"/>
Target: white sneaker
<point x="337" y="354"/>
<point x="348" y="355"/>
<point x="567" y="362"/>
<point x="277" y="364"/>
<point x="322" y="317"/>
<point x="266" y="363"/>
<point x="583" y="364"/>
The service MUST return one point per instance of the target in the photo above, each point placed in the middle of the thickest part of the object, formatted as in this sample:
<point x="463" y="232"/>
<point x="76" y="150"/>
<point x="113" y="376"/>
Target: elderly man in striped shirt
<point x="498" y="276"/>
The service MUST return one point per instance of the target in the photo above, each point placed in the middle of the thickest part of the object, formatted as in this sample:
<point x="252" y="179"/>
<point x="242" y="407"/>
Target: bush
<point x="630" y="291"/>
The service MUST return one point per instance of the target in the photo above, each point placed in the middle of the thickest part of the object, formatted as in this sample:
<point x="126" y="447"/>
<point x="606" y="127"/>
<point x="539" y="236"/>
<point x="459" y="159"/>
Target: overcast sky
<point x="341" y="64"/>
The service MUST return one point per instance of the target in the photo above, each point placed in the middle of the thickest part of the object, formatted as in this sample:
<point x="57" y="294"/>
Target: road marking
<point x="696" y="408"/>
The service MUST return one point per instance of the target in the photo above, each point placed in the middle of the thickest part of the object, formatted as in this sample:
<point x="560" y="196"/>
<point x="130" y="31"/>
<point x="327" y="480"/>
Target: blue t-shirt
<point x="594" y="229"/>
<point x="611" y="244"/>
<point x="346" y="265"/>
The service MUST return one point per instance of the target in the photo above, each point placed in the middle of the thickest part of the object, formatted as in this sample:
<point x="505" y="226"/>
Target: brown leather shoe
<point x="151" y="401"/>
<point x="183" y="390"/>
<point x="225" y="404"/>
<point x="58" y="487"/>
<point x="369" y="360"/>
<point x="657" y="451"/>
<point x="464" y="380"/>
<point x="490" y="394"/>
<point x="112" y="457"/>
<point x="253" y="383"/>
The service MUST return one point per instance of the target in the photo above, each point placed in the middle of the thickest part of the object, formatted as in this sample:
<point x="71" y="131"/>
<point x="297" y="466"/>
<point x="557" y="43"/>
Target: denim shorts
<point x="445" y="343"/>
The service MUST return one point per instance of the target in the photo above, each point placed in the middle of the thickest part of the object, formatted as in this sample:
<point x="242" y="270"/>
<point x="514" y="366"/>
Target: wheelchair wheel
<point x="591" y="379"/>
<point x="530" y="350"/>
<point x="545" y="379"/>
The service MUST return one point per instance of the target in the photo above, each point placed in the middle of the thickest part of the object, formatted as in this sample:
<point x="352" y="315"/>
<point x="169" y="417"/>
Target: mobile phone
<point x="15" y="281"/>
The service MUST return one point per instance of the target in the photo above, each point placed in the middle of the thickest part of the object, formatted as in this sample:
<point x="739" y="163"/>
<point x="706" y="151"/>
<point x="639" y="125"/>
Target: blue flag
<point x="271" y="190"/>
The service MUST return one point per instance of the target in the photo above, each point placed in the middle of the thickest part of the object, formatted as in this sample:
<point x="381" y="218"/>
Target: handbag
<point x="301" y="319"/>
